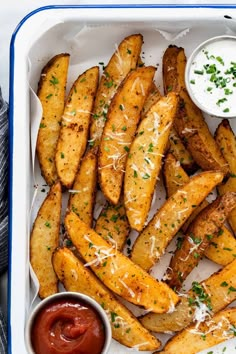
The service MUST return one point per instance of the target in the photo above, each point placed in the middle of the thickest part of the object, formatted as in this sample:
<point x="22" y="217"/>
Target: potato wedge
<point x="225" y="138"/>
<point x="117" y="271"/>
<point x="145" y="156"/>
<point x="173" y="174"/>
<point x="122" y="120"/>
<point x="189" y="123"/>
<point x="82" y="195"/>
<point x="197" y="238"/>
<point x="229" y="186"/>
<point x="152" y="98"/>
<point x="173" y="69"/>
<point x="112" y="224"/>
<point x="44" y="239"/>
<point x="218" y="291"/>
<point x="222" y="248"/>
<point x="73" y="136"/>
<point x="126" y="329"/>
<point x="153" y="240"/>
<point x="217" y="330"/>
<point x="181" y="154"/>
<point x="194" y="132"/>
<point x="122" y="61"/>
<point x="51" y="92"/>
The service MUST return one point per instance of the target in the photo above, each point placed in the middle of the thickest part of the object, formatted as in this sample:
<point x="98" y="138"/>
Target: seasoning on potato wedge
<point x="44" y="240"/>
<point x="121" y="63"/>
<point x="145" y="156"/>
<point x="153" y="240"/>
<point x="74" y="131"/>
<point x="197" y="238"/>
<point x="112" y="224"/>
<point x="122" y="120"/>
<point x="51" y="92"/>
<point x="218" y="329"/>
<point x="225" y="138"/>
<point x="180" y="152"/>
<point x="82" y="194"/>
<point x="222" y="247"/>
<point x="201" y="301"/>
<point x="117" y="271"/>
<point x="153" y="96"/>
<point x="189" y="123"/>
<point x="126" y="329"/>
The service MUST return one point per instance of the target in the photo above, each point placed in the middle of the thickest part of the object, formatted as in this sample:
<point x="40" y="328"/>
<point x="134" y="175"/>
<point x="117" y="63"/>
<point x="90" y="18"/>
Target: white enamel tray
<point x="89" y="34"/>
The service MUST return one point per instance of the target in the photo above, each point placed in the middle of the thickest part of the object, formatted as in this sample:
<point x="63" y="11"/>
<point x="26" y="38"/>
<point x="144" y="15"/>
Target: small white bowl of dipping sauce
<point x="68" y="322"/>
<point x="210" y="76"/>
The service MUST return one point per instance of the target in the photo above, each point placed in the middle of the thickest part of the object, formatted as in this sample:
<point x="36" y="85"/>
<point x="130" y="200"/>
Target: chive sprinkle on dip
<point x="212" y="77"/>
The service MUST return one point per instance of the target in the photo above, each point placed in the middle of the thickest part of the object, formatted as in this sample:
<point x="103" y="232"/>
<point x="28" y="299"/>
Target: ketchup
<point x="68" y="327"/>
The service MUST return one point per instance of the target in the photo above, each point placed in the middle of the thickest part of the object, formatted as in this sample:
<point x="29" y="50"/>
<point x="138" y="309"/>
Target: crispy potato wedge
<point x="197" y="238"/>
<point x="51" y="92"/>
<point x="181" y="154"/>
<point x="112" y="224"/>
<point x="225" y="138"/>
<point x="122" y="61"/>
<point x="173" y="174"/>
<point x="145" y="156"/>
<point x="126" y="329"/>
<point x="44" y="240"/>
<point x="117" y="271"/>
<point x="122" y="120"/>
<point x="173" y="69"/>
<point x="82" y="195"/>
<point x="229" y="186"/>
<point x="75" y="126"/>
<point x="218" y="291"/>
<point x="222" y="248"/>
<point x="189" y="123"/>
<point x="153" y="240"/>
<point x="152" y="98"/>
<point x="210" y="333"/>
<point x="194" y="132"/>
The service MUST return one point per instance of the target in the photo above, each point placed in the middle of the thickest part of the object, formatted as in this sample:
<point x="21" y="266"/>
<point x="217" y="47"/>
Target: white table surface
<point x="11" y="13"/>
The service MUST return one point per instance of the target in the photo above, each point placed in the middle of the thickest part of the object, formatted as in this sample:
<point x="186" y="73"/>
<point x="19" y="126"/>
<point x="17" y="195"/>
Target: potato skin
<point x="155" y="237"/>
<point x="218" y="287"/>
<point x="112" y="224"/>
<point x="197" y="238"/>
<point x="210" y="333"/>
<point x="83" y="193"/>
<point x="74" y="130"/>
<point x="44" y="240"/>
<point x="222" y="247"/>
<point x="121" y="63"/>
<point x="122" y="120"/>
<point x="51" y="93"/>
<point x="145" y="157"/>
<point x="226" y="140"/>
<point x="117" y="271"/>
<point x="189" y="123"/>
<point x="126" y="329"/>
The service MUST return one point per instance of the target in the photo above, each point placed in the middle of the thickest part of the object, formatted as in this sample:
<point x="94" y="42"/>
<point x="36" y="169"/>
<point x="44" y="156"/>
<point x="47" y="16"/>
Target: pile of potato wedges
<point x="117" y="134"/>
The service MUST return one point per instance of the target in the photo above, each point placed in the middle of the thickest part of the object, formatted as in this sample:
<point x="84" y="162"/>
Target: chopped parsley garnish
<point x="54" y="80"/>
<point x="47" y="224"/>
<point x="199" y="72"/>
<point x="202" y="296"/>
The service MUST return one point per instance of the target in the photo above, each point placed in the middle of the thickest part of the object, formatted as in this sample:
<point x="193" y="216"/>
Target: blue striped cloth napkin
<point x="3" y="209"/>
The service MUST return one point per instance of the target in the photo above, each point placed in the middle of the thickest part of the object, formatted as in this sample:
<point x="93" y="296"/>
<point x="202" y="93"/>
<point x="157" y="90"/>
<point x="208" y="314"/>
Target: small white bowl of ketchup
<point x="68" y="323"/>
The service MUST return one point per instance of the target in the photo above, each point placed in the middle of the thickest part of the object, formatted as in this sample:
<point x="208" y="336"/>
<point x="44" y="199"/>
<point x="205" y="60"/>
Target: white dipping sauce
<point x="212" y="77"/>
